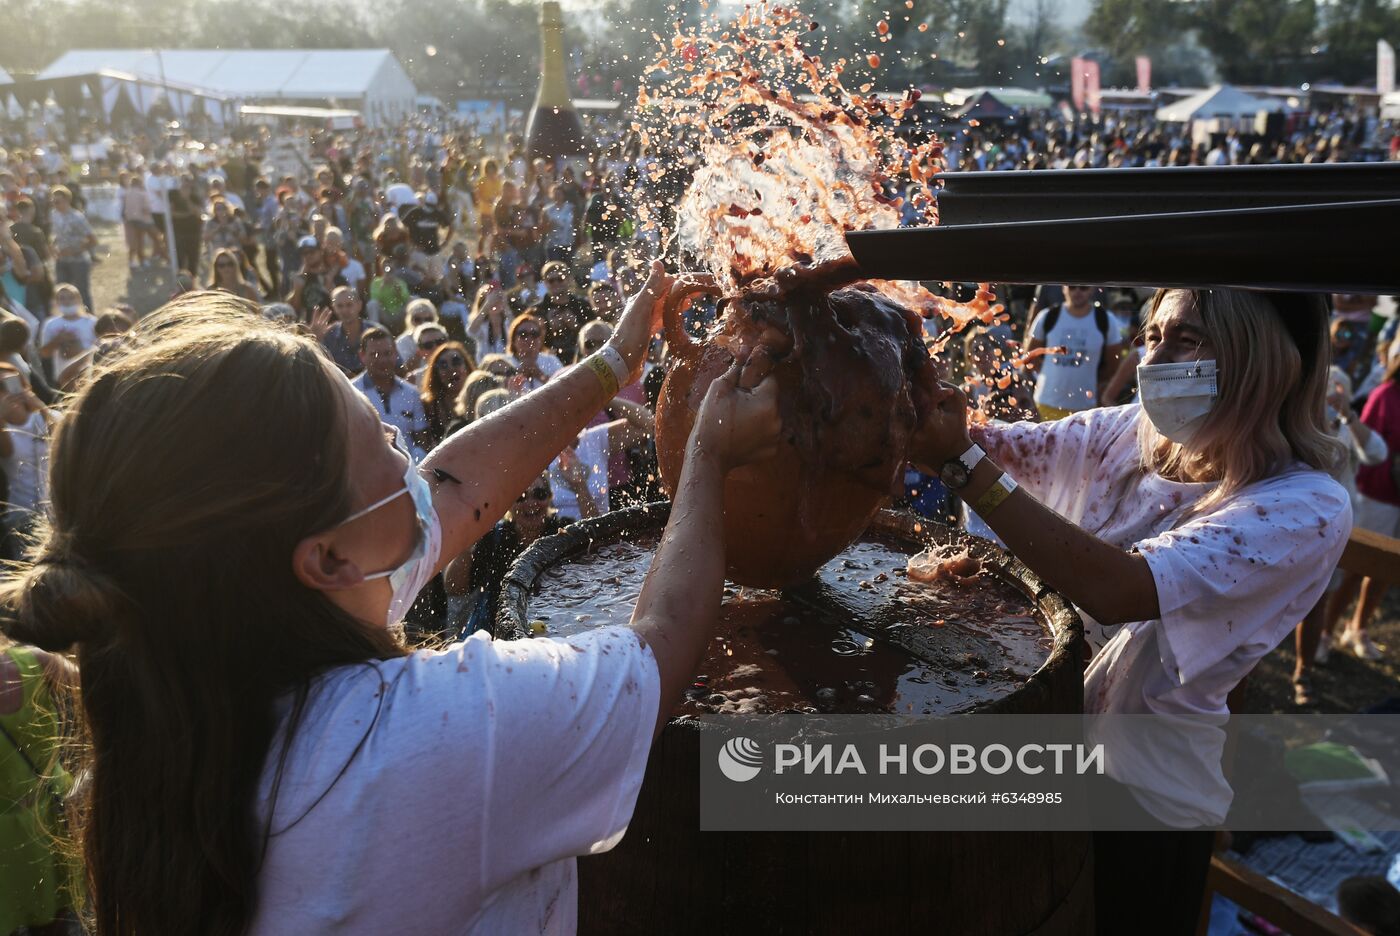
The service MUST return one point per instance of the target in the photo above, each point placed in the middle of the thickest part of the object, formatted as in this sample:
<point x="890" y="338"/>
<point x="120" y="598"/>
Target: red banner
<point x="1144" y="73"/>
<point x="1084" y="84"/>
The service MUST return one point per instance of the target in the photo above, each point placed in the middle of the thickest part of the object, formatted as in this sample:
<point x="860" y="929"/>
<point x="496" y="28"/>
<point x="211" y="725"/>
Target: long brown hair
<point x="1272" y="356"/>
<point x="182" y="476"/>
<point x="433" y="389"/>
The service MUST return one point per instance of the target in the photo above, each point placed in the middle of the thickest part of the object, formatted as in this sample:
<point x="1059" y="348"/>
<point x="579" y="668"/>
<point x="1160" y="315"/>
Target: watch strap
<point x="971" y="457"/>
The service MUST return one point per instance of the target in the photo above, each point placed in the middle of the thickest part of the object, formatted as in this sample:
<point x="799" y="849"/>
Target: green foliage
<point x="1258" y="41"/>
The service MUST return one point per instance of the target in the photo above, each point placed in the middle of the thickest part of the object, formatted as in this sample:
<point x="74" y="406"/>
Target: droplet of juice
<point x="883" y="27"/>
<point x="874" y="60"/>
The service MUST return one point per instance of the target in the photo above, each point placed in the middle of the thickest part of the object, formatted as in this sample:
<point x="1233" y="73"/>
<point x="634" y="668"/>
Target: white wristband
<point x="614" y="360"/>
<point x="971" y="457"/>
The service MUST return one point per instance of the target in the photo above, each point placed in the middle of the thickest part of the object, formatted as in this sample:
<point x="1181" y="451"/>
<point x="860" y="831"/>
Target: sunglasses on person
<point x="432" y="343"/>
<point x="528" y="333"/>
<point x="225" y="265"/>
<point x="452" y="360"/>
<point x="539" y="494"/>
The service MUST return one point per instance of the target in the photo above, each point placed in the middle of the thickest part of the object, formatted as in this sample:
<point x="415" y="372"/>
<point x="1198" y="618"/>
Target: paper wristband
<point x="604" y="373"/>
<point x="993" y="497"/>
<point x="619" y="366"/>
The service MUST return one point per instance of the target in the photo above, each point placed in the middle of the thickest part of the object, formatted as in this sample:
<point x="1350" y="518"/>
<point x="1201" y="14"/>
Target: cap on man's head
<point x="554" y="270"/>
<point x="430" y="197"/>
<point x="307" y="243"/>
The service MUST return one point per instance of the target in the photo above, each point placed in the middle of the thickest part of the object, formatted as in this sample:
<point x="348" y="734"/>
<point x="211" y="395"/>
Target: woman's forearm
<point x="1111" y="584"/>
<point x="496" y="458"/>
<point x="680" y="599"/>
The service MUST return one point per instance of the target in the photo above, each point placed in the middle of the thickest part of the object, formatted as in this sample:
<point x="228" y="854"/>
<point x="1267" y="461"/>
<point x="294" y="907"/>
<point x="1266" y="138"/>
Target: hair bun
<point x="57" y="602"/>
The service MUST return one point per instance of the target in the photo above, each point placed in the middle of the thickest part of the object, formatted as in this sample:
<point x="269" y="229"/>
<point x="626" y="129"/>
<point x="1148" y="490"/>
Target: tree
<point x="1258" y="41"/>
<point x="1348" y="36"/>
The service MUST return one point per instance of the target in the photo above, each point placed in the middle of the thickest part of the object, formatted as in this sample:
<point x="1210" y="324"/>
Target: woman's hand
<point x="941" y="433"/>
<point x="575" y="472"/>
<point x="643" y="316"/>
<point x="738" y="421"/>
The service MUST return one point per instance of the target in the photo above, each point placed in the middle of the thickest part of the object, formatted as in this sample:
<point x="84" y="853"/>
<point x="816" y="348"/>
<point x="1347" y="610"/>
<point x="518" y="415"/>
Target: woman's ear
<point x="317" y="565"/>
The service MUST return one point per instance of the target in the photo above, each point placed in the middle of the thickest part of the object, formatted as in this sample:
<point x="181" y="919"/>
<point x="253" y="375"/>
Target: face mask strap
<point x="375" y="506"/>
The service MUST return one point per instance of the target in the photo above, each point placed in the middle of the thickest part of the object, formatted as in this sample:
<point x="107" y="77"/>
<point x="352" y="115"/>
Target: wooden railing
<point x="1377" y="557"/>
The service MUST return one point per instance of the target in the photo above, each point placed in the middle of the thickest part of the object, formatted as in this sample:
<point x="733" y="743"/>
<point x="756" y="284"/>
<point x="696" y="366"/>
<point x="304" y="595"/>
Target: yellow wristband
<point x="604" y="372"/>
<point x="993" y="497"/>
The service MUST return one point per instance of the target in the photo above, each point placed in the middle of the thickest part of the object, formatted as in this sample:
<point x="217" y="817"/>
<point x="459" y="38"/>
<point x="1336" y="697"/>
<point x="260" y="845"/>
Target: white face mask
<point x="1177" y="397"/>
<point x="69" y="311"/>
<point x="409" y="578"/>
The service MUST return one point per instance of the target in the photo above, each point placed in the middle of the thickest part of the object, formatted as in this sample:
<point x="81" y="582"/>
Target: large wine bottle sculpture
<point x="554" y="130"/>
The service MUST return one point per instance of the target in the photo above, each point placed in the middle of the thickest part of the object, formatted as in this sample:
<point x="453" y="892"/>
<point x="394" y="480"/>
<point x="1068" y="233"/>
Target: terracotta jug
<point x="845" y="362"/>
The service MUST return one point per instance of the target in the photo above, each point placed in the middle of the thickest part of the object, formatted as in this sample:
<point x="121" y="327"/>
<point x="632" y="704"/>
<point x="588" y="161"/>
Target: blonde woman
<point x="1193" y="530"/>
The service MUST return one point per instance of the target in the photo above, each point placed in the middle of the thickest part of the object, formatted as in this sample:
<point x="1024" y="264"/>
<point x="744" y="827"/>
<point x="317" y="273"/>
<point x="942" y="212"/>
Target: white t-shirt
<point x="482" y="770"/>
<point x="593" y="452"/>
<point x="1070" y="381"/>
<point x="81" y="327"/>
<point x="1230" y="584"/>
<point x="26" y="468"/>
<point x="401" y="407"/>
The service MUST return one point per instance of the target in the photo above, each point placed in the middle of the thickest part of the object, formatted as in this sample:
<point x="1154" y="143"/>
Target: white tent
<point x="5" y="77"/>
<point x="369" y="80"/>
<point x="1218" y="101"/>
<point x="1390" y="106"/>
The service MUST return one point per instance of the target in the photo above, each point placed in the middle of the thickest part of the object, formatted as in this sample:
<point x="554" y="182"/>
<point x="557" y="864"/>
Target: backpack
<point x="1052" y="315"/>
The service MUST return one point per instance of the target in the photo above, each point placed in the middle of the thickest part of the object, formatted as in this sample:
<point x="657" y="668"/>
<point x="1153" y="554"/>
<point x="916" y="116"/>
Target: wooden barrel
<point x="666" y="876"/>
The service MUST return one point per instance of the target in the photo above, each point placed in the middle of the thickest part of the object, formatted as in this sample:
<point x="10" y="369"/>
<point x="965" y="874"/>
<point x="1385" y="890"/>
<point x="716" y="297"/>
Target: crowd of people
<point x="448" y="276"/>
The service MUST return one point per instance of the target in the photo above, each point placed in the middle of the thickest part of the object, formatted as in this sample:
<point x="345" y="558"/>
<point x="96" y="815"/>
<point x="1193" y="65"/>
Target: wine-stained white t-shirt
<point x="1231" y="584"/>
<point x="481" y="771"/>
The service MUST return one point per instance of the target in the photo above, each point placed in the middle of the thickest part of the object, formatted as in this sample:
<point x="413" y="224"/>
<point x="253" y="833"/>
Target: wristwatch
<point x="956" y="472"/>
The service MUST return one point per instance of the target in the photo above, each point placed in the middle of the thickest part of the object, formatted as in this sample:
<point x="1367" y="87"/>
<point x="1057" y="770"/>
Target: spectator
<point x="425" y="223"/>
<point x="41" y="889"/>
<point x="533" y="365"/>
<point x="604" y="301"/>
<point x="1314" y="637"/>
<point x="66" y="336"/>
<point x="137" y="223"/>
<point x="228" y="275"/>
<point x="446" y="373"/>
<point x="1378" y="509"/>
<point x="562" y="311"/>
<point x="342" y="339"/>
<point x="561" y="234"/>
<point x="187" y="222"/>
<point x="396" y="400"/>
<point x="476" y="575"/>
<point x="419" y="312"/>
<point x="1084" y="347"/>
<point x="24" y="451"/>
<point x="72" y="238"/>
<point x="488" y="325"/>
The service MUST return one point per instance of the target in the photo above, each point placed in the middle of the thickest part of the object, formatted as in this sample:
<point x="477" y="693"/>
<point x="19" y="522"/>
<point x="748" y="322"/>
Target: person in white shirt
<point x="24" y="456"/>
<point x="1085" y="342"/>
<point x="353" y="271"/>
<point x="395" y="399"/>
<point x="65" y="337"/>
<point x="1193" y="530"/>
<point x="240" y="574"/>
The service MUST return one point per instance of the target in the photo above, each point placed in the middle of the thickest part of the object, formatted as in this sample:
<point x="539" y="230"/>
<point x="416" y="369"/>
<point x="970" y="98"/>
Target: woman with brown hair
<point x="443" y="378"/>
<point x="266" y="756"/>
<point x="533" y="365"/>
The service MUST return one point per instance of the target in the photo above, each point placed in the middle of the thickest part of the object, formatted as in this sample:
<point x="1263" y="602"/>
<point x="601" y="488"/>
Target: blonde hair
<point x="1272" y="356"/>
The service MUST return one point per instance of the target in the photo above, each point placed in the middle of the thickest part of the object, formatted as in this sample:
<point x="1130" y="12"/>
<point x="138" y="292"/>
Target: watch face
<point x="953" y="474"/>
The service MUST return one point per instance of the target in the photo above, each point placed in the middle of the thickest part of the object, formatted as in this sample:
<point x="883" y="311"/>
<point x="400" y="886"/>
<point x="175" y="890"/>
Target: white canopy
<point x="370" y="79"/>
<point x="1218" y="101"/>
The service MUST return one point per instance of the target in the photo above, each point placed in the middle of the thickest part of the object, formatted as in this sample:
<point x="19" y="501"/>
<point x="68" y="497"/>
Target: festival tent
<point x="994" y="103"/>
<point x="1218" y="101"/>
<point x="119" y="95"/>
<point x="368" y="80"/>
